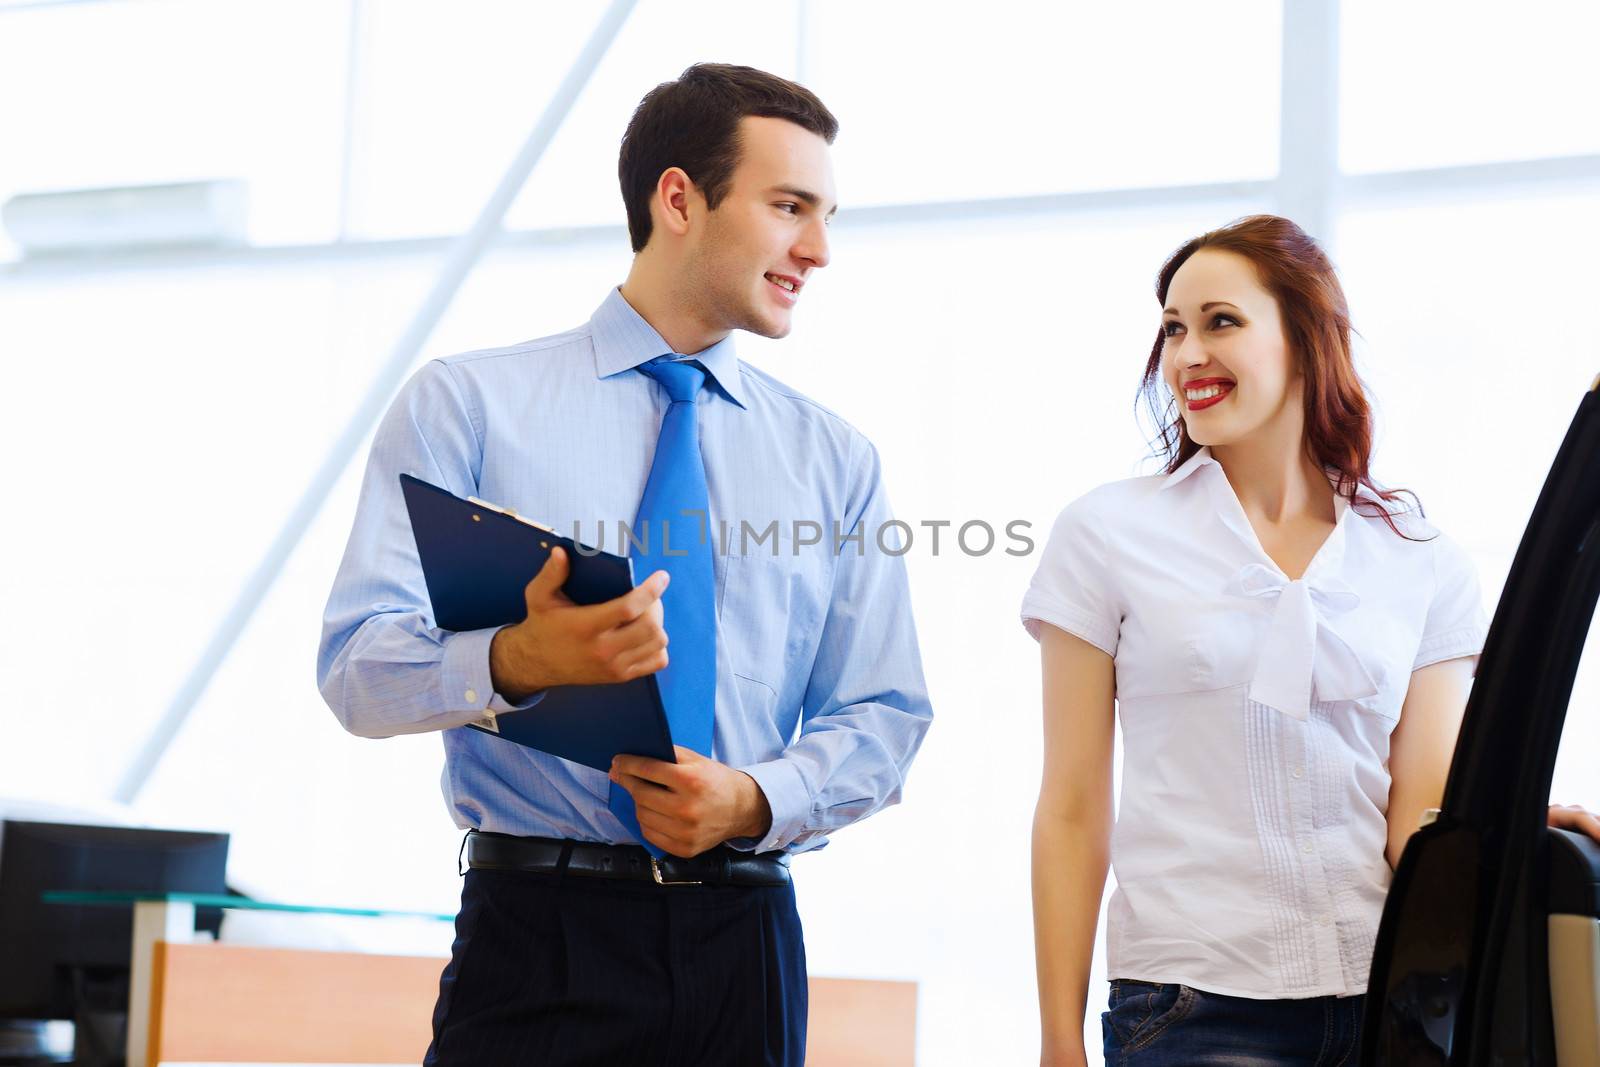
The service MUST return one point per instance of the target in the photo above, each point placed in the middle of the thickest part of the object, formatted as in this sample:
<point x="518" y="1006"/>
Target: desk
<point x="217" y="1003"/>
<point x="169" y="918"/>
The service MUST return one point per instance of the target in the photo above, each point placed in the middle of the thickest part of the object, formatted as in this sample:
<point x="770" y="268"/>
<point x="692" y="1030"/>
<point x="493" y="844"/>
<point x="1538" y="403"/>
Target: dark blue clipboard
<point x="477" y="559"/>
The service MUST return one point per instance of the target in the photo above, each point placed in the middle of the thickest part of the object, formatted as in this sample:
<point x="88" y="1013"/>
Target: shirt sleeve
<point x="1456" y="624"/>
<point x="382" y="666"/>
<point x="866" y="705"/>
<point x="1071" y="588"/>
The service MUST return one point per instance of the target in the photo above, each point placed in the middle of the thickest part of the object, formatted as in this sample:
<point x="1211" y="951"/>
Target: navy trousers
<point x="558" y="969"/>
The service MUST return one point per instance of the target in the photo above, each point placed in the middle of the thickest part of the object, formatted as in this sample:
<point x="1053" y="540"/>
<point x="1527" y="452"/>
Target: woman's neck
<point x="1275" y="483"/>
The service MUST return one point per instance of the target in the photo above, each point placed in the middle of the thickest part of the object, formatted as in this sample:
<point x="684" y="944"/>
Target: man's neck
<point x="649" y="291"/>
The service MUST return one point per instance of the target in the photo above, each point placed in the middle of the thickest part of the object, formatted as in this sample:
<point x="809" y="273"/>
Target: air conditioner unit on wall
<point x="202" y="213"/>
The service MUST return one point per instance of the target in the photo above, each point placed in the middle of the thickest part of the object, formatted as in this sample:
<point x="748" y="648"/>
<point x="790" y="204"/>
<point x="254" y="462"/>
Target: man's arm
<point x="381" y="666"/>
<point x="866" y="711"/>
<point x="866" y="706"/>
<point x="384" y="669"/>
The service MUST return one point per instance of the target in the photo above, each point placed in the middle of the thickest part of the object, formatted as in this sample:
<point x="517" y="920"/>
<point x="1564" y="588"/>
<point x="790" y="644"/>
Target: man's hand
<point x="1574" y="817"/>
<point x="694" y="804"/>
<point x="562" y="643"/>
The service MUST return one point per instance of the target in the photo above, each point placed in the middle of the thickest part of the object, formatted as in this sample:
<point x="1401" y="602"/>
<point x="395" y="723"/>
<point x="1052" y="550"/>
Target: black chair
<point x="1489" y="947"/>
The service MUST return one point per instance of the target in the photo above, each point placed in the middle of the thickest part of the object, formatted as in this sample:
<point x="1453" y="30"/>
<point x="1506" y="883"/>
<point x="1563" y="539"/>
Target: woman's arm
<point x="1422" y="744"/>
<point x="1071" y="834"/>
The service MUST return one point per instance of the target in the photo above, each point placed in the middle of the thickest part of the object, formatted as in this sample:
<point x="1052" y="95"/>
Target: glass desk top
<point x="222" y="900"/>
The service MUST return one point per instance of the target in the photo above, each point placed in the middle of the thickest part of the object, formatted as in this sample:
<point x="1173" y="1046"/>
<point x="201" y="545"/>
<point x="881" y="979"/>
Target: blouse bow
<point x="1301" y="650"/>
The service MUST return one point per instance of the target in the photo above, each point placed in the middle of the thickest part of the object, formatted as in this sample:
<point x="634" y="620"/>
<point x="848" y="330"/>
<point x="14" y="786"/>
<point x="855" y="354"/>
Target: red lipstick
<point x="1226" y="384"/>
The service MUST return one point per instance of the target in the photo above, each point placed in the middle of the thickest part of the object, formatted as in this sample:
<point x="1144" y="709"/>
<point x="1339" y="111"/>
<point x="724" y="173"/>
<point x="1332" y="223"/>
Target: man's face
<point x="751" y="259"/>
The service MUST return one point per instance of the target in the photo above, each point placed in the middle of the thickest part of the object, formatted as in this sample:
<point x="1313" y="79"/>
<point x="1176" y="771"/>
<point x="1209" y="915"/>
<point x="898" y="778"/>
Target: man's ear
<point x="675" y="200"/>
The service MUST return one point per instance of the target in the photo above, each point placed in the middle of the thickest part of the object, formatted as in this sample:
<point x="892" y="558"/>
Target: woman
<point x="1291" y="648"/>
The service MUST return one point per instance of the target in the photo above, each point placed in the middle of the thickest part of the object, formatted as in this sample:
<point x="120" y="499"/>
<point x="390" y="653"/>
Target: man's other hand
<point x="697" y="803"/>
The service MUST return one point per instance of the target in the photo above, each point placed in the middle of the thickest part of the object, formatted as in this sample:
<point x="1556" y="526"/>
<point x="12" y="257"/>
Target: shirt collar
<point x="623" y="340"/>
<point x="1365" y="493"/>
<point x="1189" y="466"/>
<point x="1204" y="458"/>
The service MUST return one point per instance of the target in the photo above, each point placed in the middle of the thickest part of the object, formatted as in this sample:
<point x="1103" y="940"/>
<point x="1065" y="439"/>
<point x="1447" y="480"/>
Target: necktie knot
<point x="681" y="378"/>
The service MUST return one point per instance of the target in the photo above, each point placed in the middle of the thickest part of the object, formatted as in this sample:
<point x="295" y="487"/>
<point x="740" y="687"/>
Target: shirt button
<point x="1306" y="848"/>
<point x="472" y="696"/>
<point x="1298" y="772"/>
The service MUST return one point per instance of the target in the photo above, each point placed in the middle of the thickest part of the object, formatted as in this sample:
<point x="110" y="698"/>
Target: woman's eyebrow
<point x="1203" y="307"/>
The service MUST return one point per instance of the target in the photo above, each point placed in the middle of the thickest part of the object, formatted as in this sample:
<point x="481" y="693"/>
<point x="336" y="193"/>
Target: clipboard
<point x="477" y="559"/>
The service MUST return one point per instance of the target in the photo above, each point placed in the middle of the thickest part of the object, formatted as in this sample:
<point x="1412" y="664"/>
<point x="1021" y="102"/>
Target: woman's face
<point x="1224" y="356"/>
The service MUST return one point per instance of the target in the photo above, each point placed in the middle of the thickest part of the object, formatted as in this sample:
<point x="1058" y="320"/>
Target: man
<point x="647" y="916"/>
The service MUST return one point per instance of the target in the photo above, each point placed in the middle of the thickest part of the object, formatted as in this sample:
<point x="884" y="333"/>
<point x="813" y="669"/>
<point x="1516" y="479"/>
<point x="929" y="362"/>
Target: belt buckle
<point x="655" y="872"/>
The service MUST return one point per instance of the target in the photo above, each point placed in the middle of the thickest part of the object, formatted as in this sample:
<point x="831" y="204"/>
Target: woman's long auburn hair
<point x="1316" y="323"/>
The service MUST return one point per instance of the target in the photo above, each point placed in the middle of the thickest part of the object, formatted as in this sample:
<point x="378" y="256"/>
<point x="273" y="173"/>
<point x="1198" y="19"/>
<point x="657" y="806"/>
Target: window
<point x="173" y="90"/>
<point x="1436" y="83"/>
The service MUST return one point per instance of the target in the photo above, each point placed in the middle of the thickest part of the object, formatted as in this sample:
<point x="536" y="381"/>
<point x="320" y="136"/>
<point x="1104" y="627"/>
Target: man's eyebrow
<point x="1203" y="307"/>
<point x="806" y="195"/>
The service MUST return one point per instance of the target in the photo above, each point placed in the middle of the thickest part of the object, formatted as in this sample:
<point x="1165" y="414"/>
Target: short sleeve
<point x="1456" y="624"/>
<point x="1071" y="589"/>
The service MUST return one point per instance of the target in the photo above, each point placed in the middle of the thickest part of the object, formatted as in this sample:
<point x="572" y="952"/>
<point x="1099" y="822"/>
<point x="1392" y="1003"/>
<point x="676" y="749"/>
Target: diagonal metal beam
<point x="464" y="253"/>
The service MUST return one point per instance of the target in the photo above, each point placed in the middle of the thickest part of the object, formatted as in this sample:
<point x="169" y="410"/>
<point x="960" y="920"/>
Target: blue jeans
<point x="1166" y="1025"/>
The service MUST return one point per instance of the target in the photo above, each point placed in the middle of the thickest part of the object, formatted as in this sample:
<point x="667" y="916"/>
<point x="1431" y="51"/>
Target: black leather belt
<point x="544" y="855"/>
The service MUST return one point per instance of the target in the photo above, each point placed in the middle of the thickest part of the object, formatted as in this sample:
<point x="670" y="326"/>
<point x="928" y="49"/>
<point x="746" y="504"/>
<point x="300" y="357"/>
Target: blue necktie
<point x="674" y="521"/>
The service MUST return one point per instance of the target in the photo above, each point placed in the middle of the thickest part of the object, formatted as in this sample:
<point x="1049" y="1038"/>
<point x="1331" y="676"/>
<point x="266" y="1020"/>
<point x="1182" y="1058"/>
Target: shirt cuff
<point x="465" y="680"/>
<point x="1453" y="644"/>
<point x="1074" y="620"/>
<point x="787" y="797"/>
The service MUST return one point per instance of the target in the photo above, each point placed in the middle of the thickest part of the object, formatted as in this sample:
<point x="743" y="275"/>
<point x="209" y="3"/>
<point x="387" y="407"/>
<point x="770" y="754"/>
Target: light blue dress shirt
<point x="820" y="692"/>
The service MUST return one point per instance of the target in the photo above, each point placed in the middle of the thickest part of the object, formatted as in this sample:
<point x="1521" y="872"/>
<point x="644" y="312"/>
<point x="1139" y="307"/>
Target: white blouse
<point x="1256" y="713"/>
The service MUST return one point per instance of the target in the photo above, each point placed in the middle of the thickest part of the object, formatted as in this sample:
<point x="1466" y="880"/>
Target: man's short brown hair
<point x="693" y="123"/>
